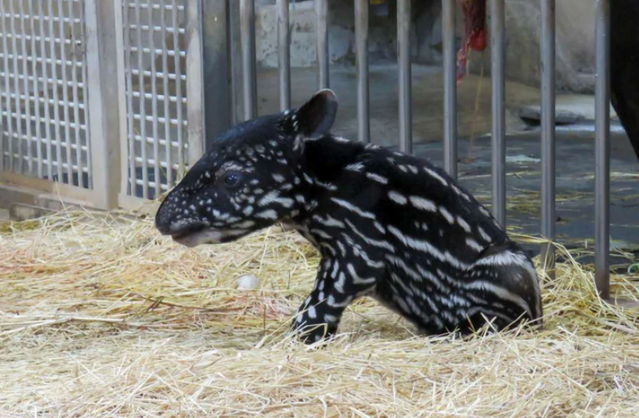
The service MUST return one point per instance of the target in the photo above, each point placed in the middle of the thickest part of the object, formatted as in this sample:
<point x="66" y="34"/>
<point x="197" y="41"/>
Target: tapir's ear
<point x="315" y="118"/>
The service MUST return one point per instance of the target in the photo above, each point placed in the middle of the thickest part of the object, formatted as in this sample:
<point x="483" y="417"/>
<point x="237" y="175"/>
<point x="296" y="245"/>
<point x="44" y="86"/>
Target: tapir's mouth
<point x="204" y="235"/>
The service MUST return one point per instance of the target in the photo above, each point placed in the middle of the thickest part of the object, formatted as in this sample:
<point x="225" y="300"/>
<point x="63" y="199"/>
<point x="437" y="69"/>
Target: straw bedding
<point x="100" y="316"/>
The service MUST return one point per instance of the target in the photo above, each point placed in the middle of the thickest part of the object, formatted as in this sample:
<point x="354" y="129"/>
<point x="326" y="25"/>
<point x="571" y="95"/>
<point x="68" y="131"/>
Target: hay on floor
<point x="100" y="316"/>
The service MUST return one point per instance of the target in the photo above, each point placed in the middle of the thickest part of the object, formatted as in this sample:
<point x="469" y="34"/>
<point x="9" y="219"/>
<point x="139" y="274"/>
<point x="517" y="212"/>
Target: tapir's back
<point x="414" y="199"/>
<point x="439" y="256"/>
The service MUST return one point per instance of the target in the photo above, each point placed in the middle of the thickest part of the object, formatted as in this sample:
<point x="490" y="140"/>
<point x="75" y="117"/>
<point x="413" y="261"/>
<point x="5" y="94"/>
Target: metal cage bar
<point x="361" y="41"/>
<point x="284" y="45"/>
<point x="548" y="132"/>
<point x="405" y="82"/>
<point x="498" y="52"/>
<point x="602" y="148"/>
<point x="449" y="15"/>
<point x="322" y="43"/>
<point x="247" y="29"/>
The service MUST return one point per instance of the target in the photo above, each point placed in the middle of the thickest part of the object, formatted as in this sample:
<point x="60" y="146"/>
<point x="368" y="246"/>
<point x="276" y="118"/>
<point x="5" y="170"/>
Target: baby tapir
<point x="388" y="225"/>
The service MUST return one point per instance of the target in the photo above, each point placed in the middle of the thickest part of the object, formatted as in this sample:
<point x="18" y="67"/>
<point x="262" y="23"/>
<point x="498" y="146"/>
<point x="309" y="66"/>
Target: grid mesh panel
<point x="42" y="90"/>
<point x="155" y="58"/>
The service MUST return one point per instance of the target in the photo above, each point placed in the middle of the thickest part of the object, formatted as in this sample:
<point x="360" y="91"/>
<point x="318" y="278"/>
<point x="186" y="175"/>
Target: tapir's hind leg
<point x="504" y="287"/>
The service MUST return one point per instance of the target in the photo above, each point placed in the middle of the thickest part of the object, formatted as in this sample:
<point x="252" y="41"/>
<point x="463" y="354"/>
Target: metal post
<point x="450" y="87"/>
<point x="284" y="39"/>
<point x="548" y="132"/>
<point x="498" y="52"/>
<point x="361" y="36"/>
<point x="235" y="54"/>
<point x="602" y="148"/>
<point x="247" y="29"/>
<point x="103" y="101"/>
<point x="405" y="105"/>
<point x="194" y="80"/>
<point x="322" y="42"/>
<point x="217" y="69"/>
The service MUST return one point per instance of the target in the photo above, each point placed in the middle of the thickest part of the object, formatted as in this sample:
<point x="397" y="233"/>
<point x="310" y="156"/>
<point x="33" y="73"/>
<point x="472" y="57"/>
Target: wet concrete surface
<point x="575" y="185"/>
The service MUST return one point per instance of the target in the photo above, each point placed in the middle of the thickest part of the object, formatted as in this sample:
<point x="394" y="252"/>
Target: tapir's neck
<point x="324" y="159"/>
<point x="322" y="163"/>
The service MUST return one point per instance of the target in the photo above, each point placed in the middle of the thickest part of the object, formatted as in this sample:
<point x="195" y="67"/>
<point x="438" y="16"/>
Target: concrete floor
<point x="574" y="183"/>
<point x="575" y="150"/>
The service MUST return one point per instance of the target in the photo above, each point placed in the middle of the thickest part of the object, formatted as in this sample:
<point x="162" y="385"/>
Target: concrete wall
<point x="575" y="38"/>
<point x="382" y="32"/>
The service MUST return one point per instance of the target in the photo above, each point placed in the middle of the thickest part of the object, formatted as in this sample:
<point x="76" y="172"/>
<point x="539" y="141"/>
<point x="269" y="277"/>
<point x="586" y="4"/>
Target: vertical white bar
<point x="45" y="90"/>
<point x="7" y="96"/>
<point x="16" y="82"/>
<point x="127" y="66"/>
<point x="602" y="148"/>
<point x="65" y="94"/>
<point x="142" y="101"/>
<point x="103" y="99"/>
<point x="27" y="96"/>
<point x="123" y="81"/>
<point x="56" y="97"/>
<point x="167" y="96"/>
<point x="194" y="80"/>
<point x="76" y="99"/>
<point x="36" y="88"/>
<point x="178" y="86"/>
<point x="154" y="107"/>
<point x="85" y="113"/>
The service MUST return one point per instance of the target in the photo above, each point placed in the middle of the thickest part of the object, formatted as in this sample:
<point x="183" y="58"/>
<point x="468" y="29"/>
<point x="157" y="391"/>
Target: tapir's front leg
<point x="337" y="285"/>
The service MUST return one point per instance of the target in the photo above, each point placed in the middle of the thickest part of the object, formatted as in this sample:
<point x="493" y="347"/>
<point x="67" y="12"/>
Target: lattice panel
<point x="155" y="57"/>
<point x="43" y="90"/>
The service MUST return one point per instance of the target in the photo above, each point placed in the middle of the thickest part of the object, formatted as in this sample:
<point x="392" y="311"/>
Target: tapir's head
<point x="249" y="180"/>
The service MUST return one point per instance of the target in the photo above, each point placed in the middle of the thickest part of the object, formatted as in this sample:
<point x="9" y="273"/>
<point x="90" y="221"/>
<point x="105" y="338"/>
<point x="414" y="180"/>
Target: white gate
<point x="43" y="87"/>
<point x="159" y="65"/>
<point x="94" y="96"/>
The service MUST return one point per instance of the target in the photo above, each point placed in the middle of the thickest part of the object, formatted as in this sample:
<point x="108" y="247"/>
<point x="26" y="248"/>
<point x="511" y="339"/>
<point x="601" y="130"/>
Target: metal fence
<point x="107" y="98"/>
<point x="497" y="43"/>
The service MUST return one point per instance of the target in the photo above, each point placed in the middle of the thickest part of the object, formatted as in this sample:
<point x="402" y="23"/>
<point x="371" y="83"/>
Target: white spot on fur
<point x="423" y="204"/>
<point x="377" y="178"/>
<point x="446" y="214"/>
<point x="397" y="197"/>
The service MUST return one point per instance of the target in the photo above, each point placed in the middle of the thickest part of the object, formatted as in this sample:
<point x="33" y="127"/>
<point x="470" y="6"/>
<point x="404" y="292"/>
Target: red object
<point x="475" y="37"/>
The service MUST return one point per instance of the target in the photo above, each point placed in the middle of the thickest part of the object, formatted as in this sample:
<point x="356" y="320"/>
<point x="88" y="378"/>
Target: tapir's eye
<point x="232" y="179"/>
